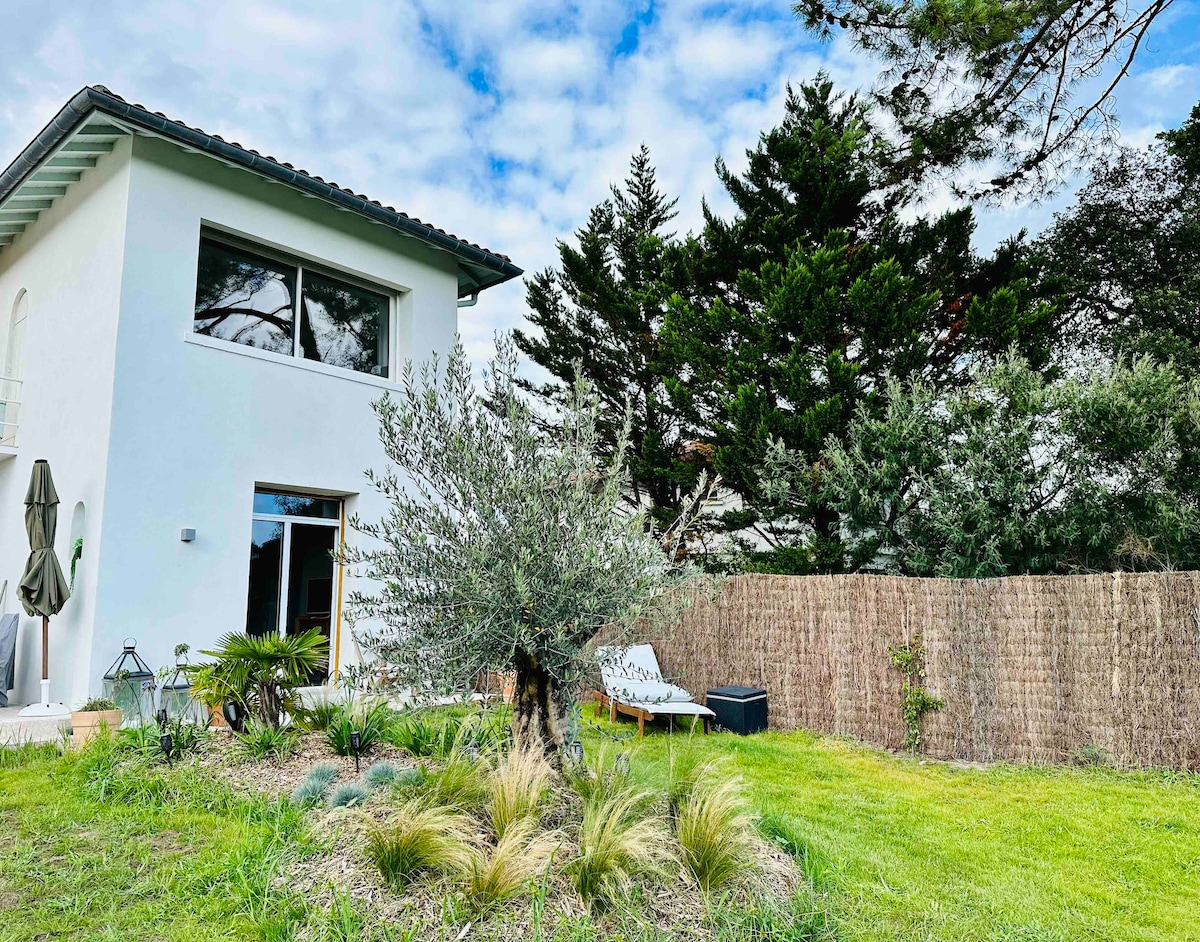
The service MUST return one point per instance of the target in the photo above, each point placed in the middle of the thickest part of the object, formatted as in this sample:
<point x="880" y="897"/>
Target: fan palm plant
<point x="261" y="674"/>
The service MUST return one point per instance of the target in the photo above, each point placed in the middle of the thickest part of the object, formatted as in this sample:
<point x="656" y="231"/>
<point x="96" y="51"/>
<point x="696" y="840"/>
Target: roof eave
<point x="485" y="269"/>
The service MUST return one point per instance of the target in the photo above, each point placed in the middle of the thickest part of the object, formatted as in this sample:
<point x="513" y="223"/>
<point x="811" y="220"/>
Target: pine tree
<point x="798" y="309"/>
<point x="603" y="309"/>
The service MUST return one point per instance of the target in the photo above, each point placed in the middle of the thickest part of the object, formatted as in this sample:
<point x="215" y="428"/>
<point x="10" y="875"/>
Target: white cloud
<point x="503" y="122"/>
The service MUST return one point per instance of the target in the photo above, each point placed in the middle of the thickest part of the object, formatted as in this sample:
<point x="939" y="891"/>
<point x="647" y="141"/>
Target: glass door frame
<point x="334" y="523"/>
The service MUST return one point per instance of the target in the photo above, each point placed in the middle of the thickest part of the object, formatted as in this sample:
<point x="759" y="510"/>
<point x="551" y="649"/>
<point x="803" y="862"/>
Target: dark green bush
<point x="370" y="719"/>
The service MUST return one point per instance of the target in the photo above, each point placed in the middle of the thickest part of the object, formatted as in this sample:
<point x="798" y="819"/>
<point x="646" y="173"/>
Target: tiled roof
<point x="483" y="267"/>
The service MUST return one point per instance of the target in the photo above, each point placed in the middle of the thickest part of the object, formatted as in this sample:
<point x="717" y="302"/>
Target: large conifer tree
<point x="603" y="309"/>
<point x="795" y="312"/>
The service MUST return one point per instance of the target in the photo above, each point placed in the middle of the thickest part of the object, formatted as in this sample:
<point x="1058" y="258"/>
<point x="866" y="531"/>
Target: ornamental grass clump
<point x="715" y="830"/>
<point x="604" y="774"/>
<point x="418" y="838"/>
<point x="508" y="869"/>
<point x="461" y="782"/>
<point x="380" y="773"/>
<point x="517" y="789"/>
<point x="263" y="741"/>
<point x="619" y="842"/>
<point x="316" y="784"/>
<point x="369" y="718"/>
<point x="348" y="795"/>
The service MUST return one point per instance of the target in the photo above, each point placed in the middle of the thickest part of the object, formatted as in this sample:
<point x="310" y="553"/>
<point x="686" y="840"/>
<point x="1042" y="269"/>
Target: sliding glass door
<point x="293" y="577"/>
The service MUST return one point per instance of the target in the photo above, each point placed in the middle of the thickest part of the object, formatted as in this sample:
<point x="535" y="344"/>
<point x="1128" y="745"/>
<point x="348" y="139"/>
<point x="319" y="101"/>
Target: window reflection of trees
<point x="244" y="299"/>
<point x="247" y="299"/>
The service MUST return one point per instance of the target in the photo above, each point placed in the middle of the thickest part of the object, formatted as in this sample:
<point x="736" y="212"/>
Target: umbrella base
<point x="46" y="710"/>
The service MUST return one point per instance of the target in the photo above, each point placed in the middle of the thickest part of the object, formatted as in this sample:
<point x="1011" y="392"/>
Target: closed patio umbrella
<point x="43" y="590"/>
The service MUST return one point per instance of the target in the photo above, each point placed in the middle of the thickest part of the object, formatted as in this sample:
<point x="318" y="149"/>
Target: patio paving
<point x="16" y="730"/>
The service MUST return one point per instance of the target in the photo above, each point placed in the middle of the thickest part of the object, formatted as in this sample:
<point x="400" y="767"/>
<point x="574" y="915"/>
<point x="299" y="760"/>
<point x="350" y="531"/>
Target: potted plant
<point x="96" y="712"/>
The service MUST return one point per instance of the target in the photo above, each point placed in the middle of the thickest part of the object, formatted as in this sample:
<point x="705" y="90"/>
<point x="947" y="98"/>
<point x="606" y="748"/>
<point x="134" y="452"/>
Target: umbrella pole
<point x="46" y="660"/>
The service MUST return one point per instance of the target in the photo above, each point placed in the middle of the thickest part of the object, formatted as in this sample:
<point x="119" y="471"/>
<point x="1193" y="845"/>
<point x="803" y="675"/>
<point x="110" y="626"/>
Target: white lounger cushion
<point x="632" y="676"/>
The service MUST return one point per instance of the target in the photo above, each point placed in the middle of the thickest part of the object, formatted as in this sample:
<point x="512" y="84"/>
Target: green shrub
<point x="315" y="787"/>
<point x="318" y="717"/>
<point x="98" y="705"/>
<point x="420" y="837"/>
<point x="261" y="741"/>
<point x="348" y="795"/>
<point x="370" y="719"/>
<point x="186" y="737"/>
<point x="715" y="830"/>
<point x="501" y="872"/>
<point x="408" y="779"/>
<point x="260" y="674"/>
<point x="380" y="773"/>
<point x="436" y="735"/>
<point x="516" y="789"/>
<point x="413" y="733"/>
<point x="619" y="841"/>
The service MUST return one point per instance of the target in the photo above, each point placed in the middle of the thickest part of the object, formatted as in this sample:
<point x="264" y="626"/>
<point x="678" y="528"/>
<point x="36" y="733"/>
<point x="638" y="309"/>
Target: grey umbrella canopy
<point x="43" y="590"/>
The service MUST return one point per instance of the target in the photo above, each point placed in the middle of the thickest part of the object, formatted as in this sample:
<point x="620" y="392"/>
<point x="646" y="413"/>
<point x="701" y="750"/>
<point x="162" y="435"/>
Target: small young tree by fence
<point x="1031" y="668"/>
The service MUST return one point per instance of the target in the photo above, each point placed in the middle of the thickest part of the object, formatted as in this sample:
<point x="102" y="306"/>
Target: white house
<point x="192" y="334"/>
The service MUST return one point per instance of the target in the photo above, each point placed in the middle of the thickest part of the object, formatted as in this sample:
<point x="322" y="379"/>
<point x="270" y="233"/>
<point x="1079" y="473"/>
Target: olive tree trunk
<point x="539" y="721"/>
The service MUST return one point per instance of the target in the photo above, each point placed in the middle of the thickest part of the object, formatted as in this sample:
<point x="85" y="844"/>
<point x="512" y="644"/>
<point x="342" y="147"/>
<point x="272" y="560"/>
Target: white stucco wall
<point x="70" y="263"/>
<point x="196" y="426"/>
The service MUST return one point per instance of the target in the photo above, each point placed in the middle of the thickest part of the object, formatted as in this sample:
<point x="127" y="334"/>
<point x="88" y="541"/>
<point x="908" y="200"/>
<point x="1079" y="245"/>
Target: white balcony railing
<point x="10" y="409"/>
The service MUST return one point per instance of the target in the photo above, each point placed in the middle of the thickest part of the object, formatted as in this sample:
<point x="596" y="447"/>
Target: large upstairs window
<point x="264" y="301"/>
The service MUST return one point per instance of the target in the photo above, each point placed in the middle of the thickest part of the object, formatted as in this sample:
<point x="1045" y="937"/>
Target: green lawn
<point x="909" y="849"/>
<point x="899" y="849"/>
<point x="76" y="868"/>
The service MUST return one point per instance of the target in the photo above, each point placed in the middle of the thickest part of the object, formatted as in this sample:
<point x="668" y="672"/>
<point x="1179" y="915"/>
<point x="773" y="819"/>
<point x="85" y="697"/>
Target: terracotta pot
<point x="216" y="719"/>
<point x="84" y="726"/>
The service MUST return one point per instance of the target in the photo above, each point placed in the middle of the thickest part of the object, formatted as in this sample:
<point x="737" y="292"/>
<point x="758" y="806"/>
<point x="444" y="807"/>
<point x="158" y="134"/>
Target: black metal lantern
<point x="125" y="683"/>
<point x="165" y="744"/>
<point x="355" y="745"/>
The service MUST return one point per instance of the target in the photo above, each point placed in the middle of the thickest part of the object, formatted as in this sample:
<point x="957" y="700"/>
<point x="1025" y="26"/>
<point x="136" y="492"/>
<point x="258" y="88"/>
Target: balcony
<point x="10" y="409"/>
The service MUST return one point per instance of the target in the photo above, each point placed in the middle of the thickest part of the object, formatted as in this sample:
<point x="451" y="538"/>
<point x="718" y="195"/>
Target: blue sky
<point x="502" y="120"/>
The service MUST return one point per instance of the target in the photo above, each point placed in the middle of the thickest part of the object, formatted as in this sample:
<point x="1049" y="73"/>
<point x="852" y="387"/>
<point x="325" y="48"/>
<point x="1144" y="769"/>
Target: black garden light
<point x="160" y="716"/>
<point x="165" y="744"/>
<point x="355" y="746"/>
<point x="577" y="752"/>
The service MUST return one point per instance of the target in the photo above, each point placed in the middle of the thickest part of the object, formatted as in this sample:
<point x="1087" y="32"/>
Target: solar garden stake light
<point x="577" y="752"/>
<point x="161" y="716"/>
<point x="623" y="763"/>
<point x="165" y="744"/>
<point x="355" y="745"/>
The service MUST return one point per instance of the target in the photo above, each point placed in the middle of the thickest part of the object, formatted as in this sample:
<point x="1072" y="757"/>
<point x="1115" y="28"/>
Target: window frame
<point x="300" y="265"/>
<point x="285" y="550"/>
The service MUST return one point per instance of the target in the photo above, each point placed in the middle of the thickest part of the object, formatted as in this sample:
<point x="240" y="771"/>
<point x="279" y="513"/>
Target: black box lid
<point x="734" y="692"/>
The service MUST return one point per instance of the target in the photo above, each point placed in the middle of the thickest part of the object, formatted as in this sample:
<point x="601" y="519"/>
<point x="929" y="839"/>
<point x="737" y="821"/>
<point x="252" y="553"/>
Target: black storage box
<point x="741" y="710"/>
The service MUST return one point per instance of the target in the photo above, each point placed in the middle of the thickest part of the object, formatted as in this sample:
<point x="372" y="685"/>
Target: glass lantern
<point x="176" y="694"/>
<point x="127" y="681"/>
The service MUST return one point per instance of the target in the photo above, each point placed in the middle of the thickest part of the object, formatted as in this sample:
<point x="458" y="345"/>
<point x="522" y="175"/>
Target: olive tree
<point x="506" y="544"/>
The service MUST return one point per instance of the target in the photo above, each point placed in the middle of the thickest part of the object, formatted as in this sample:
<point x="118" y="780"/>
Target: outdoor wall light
<point x="187" y="534"/>
<point x="355" y="746"/>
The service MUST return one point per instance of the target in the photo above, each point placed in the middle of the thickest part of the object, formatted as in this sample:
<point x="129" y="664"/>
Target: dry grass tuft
<point x="420" y="837"/>
<point x="715" y="829"/>
<point x="517" y="789"/>
<point x="619" y="841"/>
<point x="520" y="856"/>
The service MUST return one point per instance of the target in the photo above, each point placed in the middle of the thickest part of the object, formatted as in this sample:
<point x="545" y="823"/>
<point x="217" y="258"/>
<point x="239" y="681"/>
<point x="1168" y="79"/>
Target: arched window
<point x="15" y="345"/>
<point x="10" y="368"/>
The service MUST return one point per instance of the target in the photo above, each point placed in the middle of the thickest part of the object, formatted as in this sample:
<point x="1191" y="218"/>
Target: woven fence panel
<point x="1032" y="668"/>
